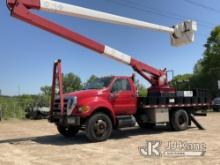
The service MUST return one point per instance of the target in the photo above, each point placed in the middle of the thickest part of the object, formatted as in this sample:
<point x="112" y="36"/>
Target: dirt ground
<point x="37" y="142"/>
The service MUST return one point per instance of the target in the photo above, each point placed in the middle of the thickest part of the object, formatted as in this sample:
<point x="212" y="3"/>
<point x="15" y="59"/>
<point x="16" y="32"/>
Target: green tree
<point x="142" y="90"/>
<point x="182" y="82"/>
<point x="207" y="70"/>
<point x="198" y="67"/>
<point x="91" y="79"/>
<point x="211" y="58"/>
<point x="46" y="90"/>
<point x="71" y="82"/>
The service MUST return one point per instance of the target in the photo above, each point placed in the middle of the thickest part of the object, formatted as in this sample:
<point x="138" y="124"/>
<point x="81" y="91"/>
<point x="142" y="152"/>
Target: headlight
<point x="71" y="104"/>
<point x="84" y="109"/>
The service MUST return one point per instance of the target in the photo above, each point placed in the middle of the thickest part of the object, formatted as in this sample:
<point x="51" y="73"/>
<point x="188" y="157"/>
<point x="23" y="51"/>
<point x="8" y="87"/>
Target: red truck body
<point x="121" y="105"/>
<point x="89" y="101"/>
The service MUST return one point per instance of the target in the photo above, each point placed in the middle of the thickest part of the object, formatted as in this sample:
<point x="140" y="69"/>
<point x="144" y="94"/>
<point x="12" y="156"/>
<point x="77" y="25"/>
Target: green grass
<point x="11" y="107"/>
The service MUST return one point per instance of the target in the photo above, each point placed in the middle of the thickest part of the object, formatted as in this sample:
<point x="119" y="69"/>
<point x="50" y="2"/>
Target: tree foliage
<point x="211" y="60"/>
<point x="91" y="79"/>
<point x="71" y="82"/>
<point x="206" y="72"/>
<point x="207" y="69"/>
<point x="142" y="90"/>
<point x="182" y="82"/>
<point x="16" y="106"/>
<point x="46" y="90"/>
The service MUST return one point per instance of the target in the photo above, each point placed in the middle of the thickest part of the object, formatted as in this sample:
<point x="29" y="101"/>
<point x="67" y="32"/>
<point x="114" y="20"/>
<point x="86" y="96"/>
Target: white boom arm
<point x="180" y="34"/>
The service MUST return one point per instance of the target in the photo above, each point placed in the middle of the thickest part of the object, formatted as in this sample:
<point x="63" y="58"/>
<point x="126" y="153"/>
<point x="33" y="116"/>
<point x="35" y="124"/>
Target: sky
<point x="27" y="53"/>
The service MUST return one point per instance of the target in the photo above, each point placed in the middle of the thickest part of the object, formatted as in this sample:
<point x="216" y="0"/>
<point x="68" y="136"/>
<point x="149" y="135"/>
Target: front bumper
<point x="65" y="120"/>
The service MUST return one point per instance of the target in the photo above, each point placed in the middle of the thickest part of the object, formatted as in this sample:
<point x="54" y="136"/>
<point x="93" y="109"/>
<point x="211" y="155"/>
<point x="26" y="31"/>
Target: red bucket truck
<point x="112" y="102"/>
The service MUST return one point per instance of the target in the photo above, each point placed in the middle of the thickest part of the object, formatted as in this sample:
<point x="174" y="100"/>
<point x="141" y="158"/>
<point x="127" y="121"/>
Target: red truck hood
<point x="86" y="93"/>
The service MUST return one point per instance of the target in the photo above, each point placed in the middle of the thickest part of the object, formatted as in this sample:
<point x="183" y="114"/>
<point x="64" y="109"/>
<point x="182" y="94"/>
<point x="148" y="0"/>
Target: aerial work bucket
<point x="184" y="33"/>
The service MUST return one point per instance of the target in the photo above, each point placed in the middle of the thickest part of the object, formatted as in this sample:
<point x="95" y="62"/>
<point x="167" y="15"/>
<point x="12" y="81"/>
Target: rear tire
<point x="179" y="120"/>
<point x="67" y="131"/>
<point x="98" y="127"/>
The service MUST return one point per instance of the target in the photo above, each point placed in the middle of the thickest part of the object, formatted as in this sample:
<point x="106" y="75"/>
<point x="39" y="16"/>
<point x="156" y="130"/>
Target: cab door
<point x="123" y="97"/>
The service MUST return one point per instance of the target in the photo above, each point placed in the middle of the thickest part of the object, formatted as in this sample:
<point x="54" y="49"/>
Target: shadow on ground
<point x="80" y="138"/>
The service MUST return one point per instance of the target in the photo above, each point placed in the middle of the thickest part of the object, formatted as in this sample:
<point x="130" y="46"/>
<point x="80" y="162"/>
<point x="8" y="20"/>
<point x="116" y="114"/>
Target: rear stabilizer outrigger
<point x="197" y="124"/>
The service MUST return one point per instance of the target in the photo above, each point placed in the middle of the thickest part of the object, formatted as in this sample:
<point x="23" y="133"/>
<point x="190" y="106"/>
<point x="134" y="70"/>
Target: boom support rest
<point x="57" y="78"/>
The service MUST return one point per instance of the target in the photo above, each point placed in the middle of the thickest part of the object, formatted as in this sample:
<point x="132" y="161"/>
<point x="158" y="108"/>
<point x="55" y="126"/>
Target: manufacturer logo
<point x="172" y="149"/>
<point x="151" y="148"/>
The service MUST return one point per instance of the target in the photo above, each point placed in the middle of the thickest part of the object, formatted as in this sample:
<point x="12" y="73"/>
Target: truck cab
<point x="117" y="94"/>
<point x="110" y="100"/>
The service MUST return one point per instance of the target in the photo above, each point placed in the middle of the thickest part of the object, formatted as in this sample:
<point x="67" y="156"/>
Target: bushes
<point x="14" y="107"/>
<point x="11" y="110"/>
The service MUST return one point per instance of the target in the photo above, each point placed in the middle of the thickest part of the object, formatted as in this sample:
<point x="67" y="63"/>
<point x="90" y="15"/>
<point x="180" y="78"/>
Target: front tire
<point x="179" y="120"/>
<point x="67" y="131"/>
<point x="98" y="127"/>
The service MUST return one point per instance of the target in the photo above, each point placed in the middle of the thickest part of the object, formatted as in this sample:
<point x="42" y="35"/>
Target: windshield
<point x="99" y="83"/>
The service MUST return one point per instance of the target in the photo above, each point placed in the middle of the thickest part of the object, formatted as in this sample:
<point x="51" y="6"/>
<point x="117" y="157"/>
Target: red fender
<point x="96" y="103"/>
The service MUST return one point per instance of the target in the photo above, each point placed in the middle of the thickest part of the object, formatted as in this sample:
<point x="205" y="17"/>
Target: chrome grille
<point x="57" y="105"/>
